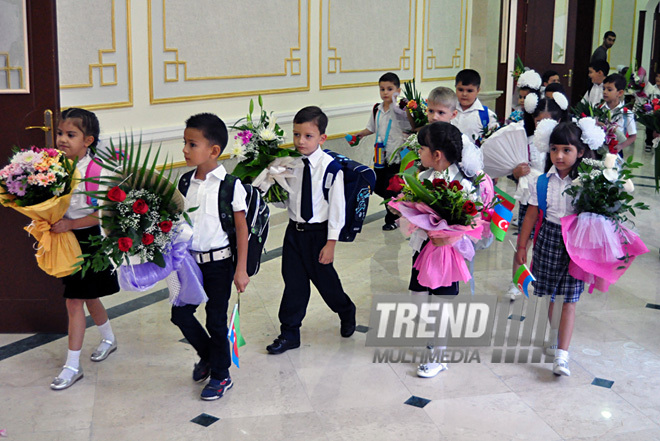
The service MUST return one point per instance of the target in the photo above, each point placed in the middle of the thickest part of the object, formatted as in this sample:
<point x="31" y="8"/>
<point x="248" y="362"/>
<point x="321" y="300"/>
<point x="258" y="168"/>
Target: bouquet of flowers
<point x="518" y="68"/>
<point x="601" y="247"/>
<point x="415" y="104"/>
<point x="634" y="85"/>
<point x="142" y="216"/>
<point x="263" y="162"/>
<point x="648" y="113"/>
<point x="445" y="210"/>
<point x="39" y="183"/>
<point x="606" y="119"/>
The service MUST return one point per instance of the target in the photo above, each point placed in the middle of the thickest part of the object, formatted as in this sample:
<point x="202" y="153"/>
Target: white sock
<point x="560" y="353"/>
<point x="106" y="334"/>
<point x="73" y="360"/>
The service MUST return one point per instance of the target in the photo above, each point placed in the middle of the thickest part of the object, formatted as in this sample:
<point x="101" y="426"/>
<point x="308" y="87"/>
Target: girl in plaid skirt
<point x="547" y="205"/>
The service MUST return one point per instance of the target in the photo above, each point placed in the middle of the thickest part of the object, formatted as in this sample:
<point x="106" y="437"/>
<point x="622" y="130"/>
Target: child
<point x="651" y="91"/>
<point x="598" y="70"/>
<point x="544" y="108"/>
<point x="613" y="90"/>
<point x="309" y="242"/>
<point x="473" y="118"/>
<point x="529" y="81"/>
<point x="550" y="259"/>
<point x="441" y="152"/>
<point x="77" y="136"/>
<point x="389" y="123"/>
<point x="205" y="137"/>
<point x="549" y="77"/>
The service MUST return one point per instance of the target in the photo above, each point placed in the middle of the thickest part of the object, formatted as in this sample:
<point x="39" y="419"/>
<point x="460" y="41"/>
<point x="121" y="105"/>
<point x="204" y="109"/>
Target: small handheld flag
<point x="522" y="278"/>
<point x="505" y="199"/>
<point x="234" y="336"/>
<point x="352" y="140"/>
<point x="499" y="224"/>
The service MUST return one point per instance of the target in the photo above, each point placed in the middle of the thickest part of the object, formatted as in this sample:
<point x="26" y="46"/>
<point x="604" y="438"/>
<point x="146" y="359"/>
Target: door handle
<point x="47" y="128"/>
<point x="569" y="75"/>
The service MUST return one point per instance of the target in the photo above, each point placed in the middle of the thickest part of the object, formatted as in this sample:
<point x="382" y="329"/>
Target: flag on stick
<point x="522" y="278"/>
<point x="505" y="199"/>
<point x="499" y="224"/>
<point x="234" y="335"/>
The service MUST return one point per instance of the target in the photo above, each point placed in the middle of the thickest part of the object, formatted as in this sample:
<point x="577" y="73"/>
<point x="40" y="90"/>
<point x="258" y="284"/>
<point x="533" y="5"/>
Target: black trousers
<point x="300" y="265"/>
<point x="383" y="176"/>
<point x="414" y="284"/>
<point x="214" y="345"/>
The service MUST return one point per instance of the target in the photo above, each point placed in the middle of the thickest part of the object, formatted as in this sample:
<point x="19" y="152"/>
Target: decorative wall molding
<point x="385" y="30"/>
<point x="94" y="40"/>
<point x="257" y="52"/>
<point x="444" y="39"/>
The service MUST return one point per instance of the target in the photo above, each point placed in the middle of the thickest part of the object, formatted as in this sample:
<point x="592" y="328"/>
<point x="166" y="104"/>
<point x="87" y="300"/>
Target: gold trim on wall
<point x="455" y="59"/>
<point x="129" y="66"/>
<point x="404" y="60"/>
<point x="290" y="61"/>
<point x="8" y="68"/>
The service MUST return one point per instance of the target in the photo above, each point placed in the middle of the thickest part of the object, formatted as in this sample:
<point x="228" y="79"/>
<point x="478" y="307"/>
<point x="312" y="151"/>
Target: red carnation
<point x="455" y="185"/>
<point x="396" y="184"/>
<point x="165" y="226"/>
<point x="125" y="243"/>
<point x="470" y="208"/>
<point x="140" y="207"/>
<point x="116" y="194"/>
<point x="147" y="239"/>
<point x="583" y="115"/>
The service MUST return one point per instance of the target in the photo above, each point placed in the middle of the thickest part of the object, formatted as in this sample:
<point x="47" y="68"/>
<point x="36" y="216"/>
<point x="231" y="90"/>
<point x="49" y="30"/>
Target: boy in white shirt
<point x="473" y="118"/>
<point x="651" y="91"/>
<point x="613" y="90"/>
<point x="389" y="123"/>
<point x="598" y="70"/>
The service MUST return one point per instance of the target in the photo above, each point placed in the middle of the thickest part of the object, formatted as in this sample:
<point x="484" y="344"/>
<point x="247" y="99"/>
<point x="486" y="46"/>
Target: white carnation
<point x="542" y="134"/>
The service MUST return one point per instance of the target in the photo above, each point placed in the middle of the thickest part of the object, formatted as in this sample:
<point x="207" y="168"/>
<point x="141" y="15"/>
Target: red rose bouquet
<point x="142" y="215"/>
<point x="446" y="211"/>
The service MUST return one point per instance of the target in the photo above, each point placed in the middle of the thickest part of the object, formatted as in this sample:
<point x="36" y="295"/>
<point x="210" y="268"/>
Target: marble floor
<point x="330" y="388"/>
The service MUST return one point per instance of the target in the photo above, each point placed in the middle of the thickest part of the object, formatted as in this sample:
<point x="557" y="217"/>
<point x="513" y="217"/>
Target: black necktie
<point x="306" y="193"/>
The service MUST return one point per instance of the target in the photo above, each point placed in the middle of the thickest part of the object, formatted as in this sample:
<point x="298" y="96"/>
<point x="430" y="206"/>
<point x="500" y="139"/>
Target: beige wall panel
<point x="444" y="42"/>
<point x="362" y="40"/>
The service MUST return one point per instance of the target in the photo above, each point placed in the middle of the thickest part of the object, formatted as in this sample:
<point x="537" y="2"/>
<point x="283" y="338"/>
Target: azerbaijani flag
<point x="505" y="199"/>
<point x="500" y="220"/>
<point x="234" y="335"/>
<point x="522" y="278"/>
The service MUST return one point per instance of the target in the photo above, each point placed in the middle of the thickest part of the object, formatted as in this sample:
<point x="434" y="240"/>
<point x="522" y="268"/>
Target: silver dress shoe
<point x="62" y="383"/>
<point x="102" y="355"/>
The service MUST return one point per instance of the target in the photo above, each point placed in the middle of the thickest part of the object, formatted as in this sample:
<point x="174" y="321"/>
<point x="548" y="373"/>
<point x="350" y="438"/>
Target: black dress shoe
<point x="347" y="329"/>
<point x="390" y="227"/>
<point x="281" y="345"/>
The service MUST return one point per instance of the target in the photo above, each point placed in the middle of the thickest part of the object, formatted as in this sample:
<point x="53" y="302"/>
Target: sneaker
<point x="560" y="365"/>
<point x="430" y="370"/>
<point x="216" y="389"/>
<point x="201" y="371"/>
<point x="513" y="293"/>
<point x="648" y="148"/>
<point x="390" y="227"/>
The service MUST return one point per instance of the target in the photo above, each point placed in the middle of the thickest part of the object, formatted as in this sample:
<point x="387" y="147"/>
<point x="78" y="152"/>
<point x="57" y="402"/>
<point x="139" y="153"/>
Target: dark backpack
<point x="359" y="181"/>
<point x="257" y="217"/>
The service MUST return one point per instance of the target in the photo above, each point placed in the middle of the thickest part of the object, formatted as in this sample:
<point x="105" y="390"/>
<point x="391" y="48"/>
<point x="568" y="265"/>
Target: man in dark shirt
<point x="601" y="51"/>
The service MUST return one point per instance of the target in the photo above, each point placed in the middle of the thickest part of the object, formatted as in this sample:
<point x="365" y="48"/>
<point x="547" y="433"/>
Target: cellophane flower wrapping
<point x="597" y="239"/>
<point x="39" y="183"/>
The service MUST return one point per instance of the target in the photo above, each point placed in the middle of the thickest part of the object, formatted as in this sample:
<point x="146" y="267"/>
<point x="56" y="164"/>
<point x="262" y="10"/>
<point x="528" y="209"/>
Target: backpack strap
<point x="329" y="177"/>
<point x="93" y="171"/>
<point x="374" y="111"/>
<point x="184" y="182"/>
<point x="225" y="198"/>
<point x="542" y="195"/>
<point x="484" y="117"/>
<point x="625" y="122"/>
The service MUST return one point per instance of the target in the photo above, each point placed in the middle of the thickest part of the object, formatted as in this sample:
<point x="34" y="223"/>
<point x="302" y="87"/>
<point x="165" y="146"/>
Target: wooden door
<point x="30" y="300"/>
<point x="654" y="65"/>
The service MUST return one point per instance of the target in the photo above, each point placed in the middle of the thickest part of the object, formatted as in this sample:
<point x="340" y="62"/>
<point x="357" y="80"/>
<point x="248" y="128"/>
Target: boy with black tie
<point x="310" y="239"/>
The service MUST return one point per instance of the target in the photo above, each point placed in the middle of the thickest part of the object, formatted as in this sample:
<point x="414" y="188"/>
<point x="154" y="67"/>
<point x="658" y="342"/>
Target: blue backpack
<point x="359" y="181"/>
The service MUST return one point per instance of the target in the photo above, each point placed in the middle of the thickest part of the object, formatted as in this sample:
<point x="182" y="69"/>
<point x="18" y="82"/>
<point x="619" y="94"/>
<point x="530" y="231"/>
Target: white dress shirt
<point x="378" y="126"/>
<point x="469" y="122"/>
<point x="594" y="95"/>
<point x="334" y="209"/>
<point x="207" y="230"/>
<point x="559" y="204"/>
<point x="78" y="207"/>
